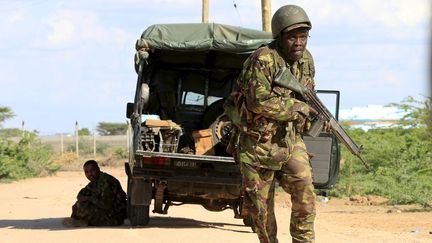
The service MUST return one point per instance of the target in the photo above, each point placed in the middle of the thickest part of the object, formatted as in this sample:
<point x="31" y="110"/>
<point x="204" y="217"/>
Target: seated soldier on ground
<point x="101" y="203"/>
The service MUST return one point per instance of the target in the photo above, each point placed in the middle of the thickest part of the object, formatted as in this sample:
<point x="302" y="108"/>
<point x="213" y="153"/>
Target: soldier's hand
<point x="327" y="127"/>
<point x="312" y="112"/>
<point x="309" y="84"/>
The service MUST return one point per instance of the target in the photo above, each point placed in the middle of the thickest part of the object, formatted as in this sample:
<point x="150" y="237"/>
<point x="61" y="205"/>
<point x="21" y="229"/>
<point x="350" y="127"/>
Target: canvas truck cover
<point x="202" y="36"/>
<point x="198" y="37"/>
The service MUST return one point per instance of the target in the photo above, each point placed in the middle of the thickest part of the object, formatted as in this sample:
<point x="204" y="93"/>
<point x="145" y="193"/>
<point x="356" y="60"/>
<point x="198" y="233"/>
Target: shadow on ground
<point x="155" y="222"/>
<point x="175" y="222"/>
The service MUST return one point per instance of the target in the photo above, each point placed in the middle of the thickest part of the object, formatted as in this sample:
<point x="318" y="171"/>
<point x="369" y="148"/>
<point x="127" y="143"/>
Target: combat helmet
<point x="289" y="17"/>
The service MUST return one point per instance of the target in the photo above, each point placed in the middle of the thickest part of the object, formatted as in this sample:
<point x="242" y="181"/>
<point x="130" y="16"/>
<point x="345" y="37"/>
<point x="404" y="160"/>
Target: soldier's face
<point x="294" y="43"/>
<point x="91" y="172"/>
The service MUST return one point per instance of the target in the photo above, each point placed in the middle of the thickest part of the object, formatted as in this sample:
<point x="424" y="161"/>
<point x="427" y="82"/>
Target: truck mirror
<point x="129" y="109"/>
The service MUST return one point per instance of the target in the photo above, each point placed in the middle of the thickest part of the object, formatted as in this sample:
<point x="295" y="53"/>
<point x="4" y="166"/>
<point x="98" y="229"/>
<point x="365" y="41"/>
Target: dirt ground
<point x="32" y="210"/>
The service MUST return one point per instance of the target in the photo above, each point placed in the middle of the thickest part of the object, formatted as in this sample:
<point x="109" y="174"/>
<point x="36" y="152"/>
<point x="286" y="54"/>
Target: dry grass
<point x="69" y="161"/>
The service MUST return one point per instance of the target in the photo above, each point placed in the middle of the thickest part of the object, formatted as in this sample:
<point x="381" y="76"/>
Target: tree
<point x="10" y="132"/>
<point x="84" y="132"/>
<point x="109" y="128"/>
<point x="417" y="113"/>
<point x="5" y="113"/>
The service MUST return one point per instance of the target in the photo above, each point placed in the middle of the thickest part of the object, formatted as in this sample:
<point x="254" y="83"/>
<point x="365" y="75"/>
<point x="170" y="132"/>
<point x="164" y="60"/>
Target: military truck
<point x="177" y="152"/>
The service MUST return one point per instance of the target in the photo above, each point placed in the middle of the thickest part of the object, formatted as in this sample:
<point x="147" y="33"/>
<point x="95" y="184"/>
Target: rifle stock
<point x="287" y="80"/>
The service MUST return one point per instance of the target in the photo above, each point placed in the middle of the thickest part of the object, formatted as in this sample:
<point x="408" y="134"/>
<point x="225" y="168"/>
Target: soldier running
<point x="269" y="144"/>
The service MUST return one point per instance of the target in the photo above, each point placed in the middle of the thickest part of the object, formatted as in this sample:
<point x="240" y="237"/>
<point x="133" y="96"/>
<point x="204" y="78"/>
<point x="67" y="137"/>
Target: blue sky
<point x="67" y="61"/>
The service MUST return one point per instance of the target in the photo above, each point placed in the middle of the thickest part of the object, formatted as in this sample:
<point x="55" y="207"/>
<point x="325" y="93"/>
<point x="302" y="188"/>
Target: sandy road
<point x="32" y="210"/>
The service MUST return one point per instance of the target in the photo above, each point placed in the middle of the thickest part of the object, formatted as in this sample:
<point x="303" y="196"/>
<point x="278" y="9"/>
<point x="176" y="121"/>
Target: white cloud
<point x="396" y="13"/>
<point x="335" y="12"/>
<point x="390" y="79"/>
<point x="15" y="17"/>
<point x="11" y="23"/>
<point x="63" y="32"/>
<point x="72" y="27"/>
<point x="81" y="28"/>
<point x="122" y="38"/>
<point x="373" y="14"/>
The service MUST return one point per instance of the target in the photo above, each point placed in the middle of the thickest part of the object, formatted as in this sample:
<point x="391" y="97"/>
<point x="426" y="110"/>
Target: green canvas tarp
<point x="202" y="37"/>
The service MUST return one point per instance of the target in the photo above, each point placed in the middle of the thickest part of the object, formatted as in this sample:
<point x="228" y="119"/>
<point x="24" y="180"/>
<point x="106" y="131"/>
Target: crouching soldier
<point x="101" y="203"/>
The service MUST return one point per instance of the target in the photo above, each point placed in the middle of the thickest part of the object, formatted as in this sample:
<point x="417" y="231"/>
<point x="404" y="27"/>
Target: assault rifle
<point x="286" y="79"/>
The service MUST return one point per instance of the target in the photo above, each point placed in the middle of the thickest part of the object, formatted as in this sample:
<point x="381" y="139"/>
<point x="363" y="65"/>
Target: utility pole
<point x="22" y="129"/>
<point x="76" y="139"/>
<point x="205" y="4"/>
<point x="266" y="15"/>
<point x="61" y="143"/>
<point x="94" y="144"/>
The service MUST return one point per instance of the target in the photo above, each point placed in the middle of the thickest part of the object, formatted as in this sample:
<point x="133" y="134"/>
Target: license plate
<point x="185" y="164"/>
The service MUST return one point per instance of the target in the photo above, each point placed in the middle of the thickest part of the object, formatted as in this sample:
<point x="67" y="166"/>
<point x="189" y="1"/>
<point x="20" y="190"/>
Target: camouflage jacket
<point x="268" y="112"/>
<point x="106" y="193"/>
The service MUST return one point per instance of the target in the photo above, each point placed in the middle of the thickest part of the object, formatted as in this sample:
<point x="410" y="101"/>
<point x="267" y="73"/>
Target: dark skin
<point x="92" y="173"/>
<point x="294" y="44"/>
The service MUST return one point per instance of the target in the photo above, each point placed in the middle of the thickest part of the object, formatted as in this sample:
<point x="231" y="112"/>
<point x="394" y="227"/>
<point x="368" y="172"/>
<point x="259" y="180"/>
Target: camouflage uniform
<point x="270" y="146"/>
<point x="106" y="204"/>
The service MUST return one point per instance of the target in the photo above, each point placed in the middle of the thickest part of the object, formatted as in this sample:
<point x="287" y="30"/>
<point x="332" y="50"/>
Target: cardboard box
<point x="203" y="142"/>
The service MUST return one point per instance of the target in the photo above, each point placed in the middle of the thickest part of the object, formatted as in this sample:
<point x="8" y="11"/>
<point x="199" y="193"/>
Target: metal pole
<point x="266" y="15"/>
<point x="61" y="143"/>
<point x="76" y="139"/>
<point x="22" y="129"/>
<point x="205" y="5"/>
<point x="94" y="144"/>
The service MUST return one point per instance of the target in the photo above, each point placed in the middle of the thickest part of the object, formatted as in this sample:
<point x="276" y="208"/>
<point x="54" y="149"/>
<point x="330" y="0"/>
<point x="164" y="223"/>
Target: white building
<point x="371" y="116"/>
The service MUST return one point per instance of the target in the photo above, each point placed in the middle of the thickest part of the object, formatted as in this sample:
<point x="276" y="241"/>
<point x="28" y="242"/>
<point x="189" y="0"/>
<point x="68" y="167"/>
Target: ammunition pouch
<point x="261" y="128"/>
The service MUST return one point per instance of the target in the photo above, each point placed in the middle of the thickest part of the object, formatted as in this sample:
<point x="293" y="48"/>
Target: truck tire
<point x="139" y="215"/>
<point x="211" y="113"/>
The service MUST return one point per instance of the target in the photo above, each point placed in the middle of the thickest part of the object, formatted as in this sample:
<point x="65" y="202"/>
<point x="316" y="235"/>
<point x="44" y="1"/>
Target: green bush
<point x="401" y="158"/>
<point x="26" y="158"/>
<point x="102" y="148"/>
<point x="23" y="159"/>
<point x="120" y="153"/>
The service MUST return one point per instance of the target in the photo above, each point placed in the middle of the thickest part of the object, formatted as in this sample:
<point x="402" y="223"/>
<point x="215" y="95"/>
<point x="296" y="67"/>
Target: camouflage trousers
<point x="295" y="177"/>
<point x="94" y="215"/>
